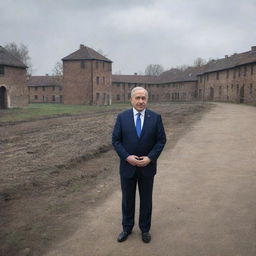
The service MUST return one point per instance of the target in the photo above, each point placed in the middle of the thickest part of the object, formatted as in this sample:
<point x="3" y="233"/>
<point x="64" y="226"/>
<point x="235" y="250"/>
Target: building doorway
<point x="211" y="93"/>
<point x="242" y="94"/>
<point x="3" y="98"/>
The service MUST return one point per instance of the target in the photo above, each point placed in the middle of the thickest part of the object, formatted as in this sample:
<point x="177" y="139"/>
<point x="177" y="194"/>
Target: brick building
<point x="45" y="89"/>
<point x="230" y="79"/>
<point x="172" y="85"/>
<point x="87" y="77"/>
<point x="13" y="89"/>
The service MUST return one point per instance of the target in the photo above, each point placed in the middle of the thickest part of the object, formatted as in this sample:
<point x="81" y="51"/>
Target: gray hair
<point x="138" y="88"/>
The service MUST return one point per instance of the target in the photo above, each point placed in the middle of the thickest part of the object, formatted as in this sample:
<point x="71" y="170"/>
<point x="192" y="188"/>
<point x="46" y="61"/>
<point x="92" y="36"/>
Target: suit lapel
<point x="146" y="120"/>
<point x="132" y="124"/>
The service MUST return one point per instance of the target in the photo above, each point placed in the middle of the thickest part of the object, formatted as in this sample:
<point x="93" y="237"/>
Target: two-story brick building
<point x="45" y="89"/>
<point x="87" y="77"/>
<point x="230" y="79"/>
<point x="13" y="84"/>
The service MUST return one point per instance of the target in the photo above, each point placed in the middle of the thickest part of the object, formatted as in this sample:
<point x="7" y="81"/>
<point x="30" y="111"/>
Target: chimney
<point x="226" y="56"/>
<point x="81" y="46"/>
<point x="135" y="74"/>
<point x="253" y="48"/>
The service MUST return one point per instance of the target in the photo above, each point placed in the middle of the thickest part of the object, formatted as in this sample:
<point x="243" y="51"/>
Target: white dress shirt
<point x="142" y="116"/>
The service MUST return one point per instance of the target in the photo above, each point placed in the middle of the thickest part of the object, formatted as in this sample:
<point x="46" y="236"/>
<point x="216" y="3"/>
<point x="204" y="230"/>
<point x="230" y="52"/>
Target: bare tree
<point x="182" y="67"/>
<point x="199" y="62"/>
<point x="21" y="52"/>
<point x="58" y="69"/>
<point x="154" y="70"/>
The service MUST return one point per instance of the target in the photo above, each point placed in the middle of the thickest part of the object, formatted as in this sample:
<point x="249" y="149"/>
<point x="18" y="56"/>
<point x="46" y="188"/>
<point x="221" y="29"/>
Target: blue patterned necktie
<point x="138" y="124"/>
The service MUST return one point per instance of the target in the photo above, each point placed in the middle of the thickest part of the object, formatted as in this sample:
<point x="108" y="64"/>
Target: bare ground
<point x="54" y="170"/>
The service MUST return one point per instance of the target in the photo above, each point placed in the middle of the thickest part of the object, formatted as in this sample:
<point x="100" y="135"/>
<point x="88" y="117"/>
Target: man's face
<point x="139" y="100"/>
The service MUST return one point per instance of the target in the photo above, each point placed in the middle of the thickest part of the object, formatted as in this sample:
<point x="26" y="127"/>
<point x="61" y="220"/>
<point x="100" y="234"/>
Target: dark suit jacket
<point x="126" y="141"/>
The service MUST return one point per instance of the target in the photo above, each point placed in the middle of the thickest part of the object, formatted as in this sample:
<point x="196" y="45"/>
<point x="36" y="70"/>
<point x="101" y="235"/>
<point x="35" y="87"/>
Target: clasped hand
<point x="139" y="161"/>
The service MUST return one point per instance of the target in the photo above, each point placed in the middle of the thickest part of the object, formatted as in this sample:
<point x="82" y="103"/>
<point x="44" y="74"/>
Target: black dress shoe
<point x="146" y="237"/>
<point x="123" y="236"/>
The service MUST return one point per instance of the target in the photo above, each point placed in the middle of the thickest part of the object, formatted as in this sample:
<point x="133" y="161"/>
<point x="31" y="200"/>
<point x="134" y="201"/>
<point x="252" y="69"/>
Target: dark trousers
<point x="128" y="186"/>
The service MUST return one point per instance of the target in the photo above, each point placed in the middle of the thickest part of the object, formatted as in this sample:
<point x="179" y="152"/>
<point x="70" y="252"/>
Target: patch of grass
<point x="39" y="111"/>
<point x="14" y="239"/>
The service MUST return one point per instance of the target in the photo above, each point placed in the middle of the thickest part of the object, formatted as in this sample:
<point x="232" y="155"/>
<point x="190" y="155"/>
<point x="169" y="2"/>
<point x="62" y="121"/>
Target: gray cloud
<point x="132" y="33"/>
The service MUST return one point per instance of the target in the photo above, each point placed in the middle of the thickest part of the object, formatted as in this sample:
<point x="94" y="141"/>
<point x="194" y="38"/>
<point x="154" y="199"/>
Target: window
<point x="97" y="64"/>
<point x="82" y="64"/>
<point x="103" y="65"/>
<point x="36" y="97"/>
<point x="217" y="75"/>
<point x="1" y="70"/>
<point x="53" y="97"/>
<point x="97" y="79"/>
<point x="220" y="90"/>
<point x="227" y="74"/>
<point x="118" y="85"/>
<point x="43" y="88"/>
<point x="118" y="97"/>
<point x="35" y="88"/>
<point x="237" y="88"/>
<point x="245" y="70"/>
<point x="97" y="96"/>
<point x="234" y="73"/>
<point x="239" y="72"/>
<point x="251" y="69"/>
<point x="53" y="88"/>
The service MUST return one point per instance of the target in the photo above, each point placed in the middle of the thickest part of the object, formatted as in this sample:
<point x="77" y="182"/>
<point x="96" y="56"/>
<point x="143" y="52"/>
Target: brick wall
<point x="45" y="94"/>
<point x="236" y="85"/>
<point x="14" y="80"/>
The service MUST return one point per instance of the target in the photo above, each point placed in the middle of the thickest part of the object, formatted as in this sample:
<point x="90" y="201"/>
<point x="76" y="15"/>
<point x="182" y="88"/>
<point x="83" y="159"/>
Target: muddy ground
<point x="53" y="170"/>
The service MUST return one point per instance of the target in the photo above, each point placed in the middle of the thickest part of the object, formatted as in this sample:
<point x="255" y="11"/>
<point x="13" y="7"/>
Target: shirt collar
<point x="135" y="112"/>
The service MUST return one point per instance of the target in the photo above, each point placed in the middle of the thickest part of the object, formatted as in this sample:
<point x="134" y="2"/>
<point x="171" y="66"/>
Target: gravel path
<point x="204" y="196"/>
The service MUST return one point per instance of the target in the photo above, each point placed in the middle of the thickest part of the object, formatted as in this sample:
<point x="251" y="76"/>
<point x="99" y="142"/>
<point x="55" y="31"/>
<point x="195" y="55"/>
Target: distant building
<point x="45" y="89"/>
<point x="13" y="89"/>
<point x="230" y="79"/>
<point x="87" y="77"/>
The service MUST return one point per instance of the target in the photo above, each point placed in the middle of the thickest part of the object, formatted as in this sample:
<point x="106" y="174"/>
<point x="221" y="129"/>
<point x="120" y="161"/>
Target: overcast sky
<point x="132" y="33"/>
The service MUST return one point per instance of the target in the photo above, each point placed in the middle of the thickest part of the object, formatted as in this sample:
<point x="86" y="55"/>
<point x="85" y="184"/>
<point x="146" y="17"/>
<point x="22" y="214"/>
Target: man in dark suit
<point x="138" y="138"/>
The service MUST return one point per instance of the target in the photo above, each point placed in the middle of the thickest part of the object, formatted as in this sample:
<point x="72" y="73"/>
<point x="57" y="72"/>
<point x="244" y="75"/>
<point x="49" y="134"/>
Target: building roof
<point x="85" y="53"/>
<point x="237" y="59"/>
<point x="171" y="76"/>
<point x="177" y="75"/>
<point x="8" y="59"/>
<point x="45" y="81"/>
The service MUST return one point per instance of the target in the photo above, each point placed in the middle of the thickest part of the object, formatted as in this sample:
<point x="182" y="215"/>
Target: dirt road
<point x="204" y="196"/>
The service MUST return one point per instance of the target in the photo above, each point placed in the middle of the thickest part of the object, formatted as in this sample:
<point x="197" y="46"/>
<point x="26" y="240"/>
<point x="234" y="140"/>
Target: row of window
<point x="176" y="85"/>
<point x="237" y="88"/>
<point x="99" y="64"/>
<point x="44" y="88"/>
<point x="237" y="72"/>
<point x="175" y="96"/>
<point x="46" y="97"/>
